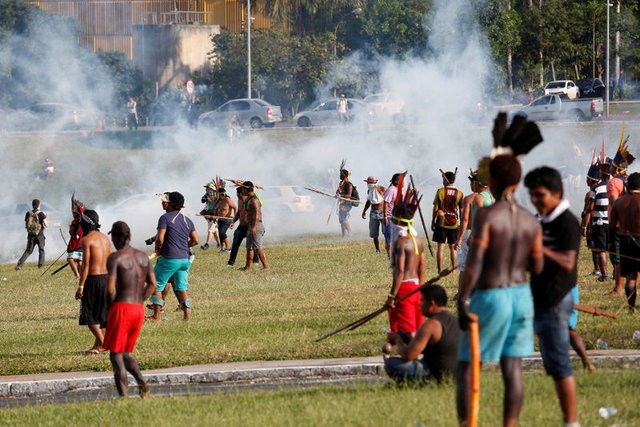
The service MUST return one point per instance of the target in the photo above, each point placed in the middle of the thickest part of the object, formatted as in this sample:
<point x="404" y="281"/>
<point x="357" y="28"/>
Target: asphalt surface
<point x="29" y="389"/>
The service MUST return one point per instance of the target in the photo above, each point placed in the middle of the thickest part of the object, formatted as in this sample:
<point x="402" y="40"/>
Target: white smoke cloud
<point x="439" y="132"/>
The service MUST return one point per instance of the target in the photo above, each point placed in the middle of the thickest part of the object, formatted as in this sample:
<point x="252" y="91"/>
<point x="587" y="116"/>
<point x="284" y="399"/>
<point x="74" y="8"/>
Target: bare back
<point x="130" y="269"/>
<point x="407" y="264"/>
<point x="626" y="210"/>
<point x="225" y="206"/>
<point x="507" y="241"/>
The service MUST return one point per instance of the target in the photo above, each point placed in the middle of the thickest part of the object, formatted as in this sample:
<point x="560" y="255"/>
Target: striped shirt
<point x="601" y="203"/>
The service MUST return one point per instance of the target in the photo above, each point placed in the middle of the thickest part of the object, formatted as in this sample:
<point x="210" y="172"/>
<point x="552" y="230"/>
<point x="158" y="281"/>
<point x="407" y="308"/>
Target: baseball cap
<point x="120" y="228"/>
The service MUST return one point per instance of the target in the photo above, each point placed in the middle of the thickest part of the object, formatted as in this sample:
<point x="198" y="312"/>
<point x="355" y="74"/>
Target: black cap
<point x="121" y="229"/>
<point x="91" y="217"/>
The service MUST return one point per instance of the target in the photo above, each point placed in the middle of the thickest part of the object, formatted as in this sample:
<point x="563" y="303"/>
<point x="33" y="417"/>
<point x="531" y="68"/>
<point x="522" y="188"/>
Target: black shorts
<point x="445" y="235"/>
<point x="599" y="237"/>
<point x="93" y="305"/>
<point x="630" y="255"/>
<point x="613" y="256"/>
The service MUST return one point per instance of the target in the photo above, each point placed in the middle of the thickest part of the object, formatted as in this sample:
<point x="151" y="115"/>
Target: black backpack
<point x="355" y="196"/>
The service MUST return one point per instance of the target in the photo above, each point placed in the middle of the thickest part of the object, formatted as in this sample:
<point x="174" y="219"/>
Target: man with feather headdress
<point x="507" y="242"/>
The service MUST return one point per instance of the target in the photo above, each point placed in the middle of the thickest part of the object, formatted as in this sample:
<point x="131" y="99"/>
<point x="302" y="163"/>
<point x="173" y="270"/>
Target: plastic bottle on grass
<point x="636" y="335"/>
<point x="602" y="344"/>
<point x="607" y="412"/>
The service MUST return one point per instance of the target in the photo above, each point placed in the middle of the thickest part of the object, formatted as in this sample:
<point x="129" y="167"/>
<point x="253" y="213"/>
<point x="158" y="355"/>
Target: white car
<point x="286" y="199"/>
<point x="568" y="87"/>
<point x="253" y="112"/>
<point x="326" y="113"/>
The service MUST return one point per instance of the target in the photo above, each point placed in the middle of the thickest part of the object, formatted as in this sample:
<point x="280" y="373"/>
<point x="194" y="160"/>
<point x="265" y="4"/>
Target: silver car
<point x="326" y="113"/>
<point x="245" y="112"/>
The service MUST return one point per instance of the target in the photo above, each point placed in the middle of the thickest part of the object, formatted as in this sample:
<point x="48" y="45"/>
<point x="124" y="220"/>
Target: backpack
<point x="355" y="195"/>
<point x="33" y="222"/>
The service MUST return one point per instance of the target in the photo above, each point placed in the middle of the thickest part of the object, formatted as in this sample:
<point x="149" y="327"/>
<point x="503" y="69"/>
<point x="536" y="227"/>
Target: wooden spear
<point x="424" y="227"/>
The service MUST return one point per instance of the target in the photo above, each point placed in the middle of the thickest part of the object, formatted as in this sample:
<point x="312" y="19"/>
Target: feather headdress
<point x="517" y="139"/>
<point x="444" y="176"/>
<point x="593" y="173"/>
<point x="76" y="205"/>
<point x="240" y="183"/>
<point x="623" y="157"/>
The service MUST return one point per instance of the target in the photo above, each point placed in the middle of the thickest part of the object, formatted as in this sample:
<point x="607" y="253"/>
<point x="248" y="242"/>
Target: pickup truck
<point x="554" y="106"/>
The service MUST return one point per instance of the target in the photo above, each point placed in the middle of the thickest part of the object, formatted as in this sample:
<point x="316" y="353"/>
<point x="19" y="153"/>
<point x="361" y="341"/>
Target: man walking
<point x="255" y="227"/>
<point x="35" y="221"/>
<point x="375" y="200"/>
<point x="551" y="288"/>
<point x="176" y="234"/>
<point x="345" y="189"/>
<point x="130" y="282"/>
<point x="93" y="279"/>
<point x="446" y="216"/>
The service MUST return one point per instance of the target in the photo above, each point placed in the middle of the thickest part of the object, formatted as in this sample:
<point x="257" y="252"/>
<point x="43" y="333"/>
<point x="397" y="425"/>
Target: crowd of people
<point x="518" y="269"/>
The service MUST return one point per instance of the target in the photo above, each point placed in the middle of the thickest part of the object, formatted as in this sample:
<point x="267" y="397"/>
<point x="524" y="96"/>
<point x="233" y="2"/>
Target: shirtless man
<point x="131" y="281"/>
<point x="626" y="213"/>
<point x="345" y="188"/>
<point x="408" y="265"/>
<point x="375" y="200"/>
<point x="93" y="280"/>
<point x="255" y="227"/>
<point x="241" y="231"/>
<point x="225" y="207"/>
<point x="507" y="241"/>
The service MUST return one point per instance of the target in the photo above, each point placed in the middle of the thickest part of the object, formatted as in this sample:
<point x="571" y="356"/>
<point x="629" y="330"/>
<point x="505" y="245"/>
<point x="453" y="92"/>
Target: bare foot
<point x="614" y="294"/>
<point x="151" y="319"/>
<point x="145" y="391"/>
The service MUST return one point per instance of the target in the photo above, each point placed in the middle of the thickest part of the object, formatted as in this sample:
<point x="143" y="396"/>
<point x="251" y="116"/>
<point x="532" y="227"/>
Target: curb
<point x="37" y="385"/>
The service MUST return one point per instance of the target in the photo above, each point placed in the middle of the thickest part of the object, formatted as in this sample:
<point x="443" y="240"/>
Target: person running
<point x="255" y="227"/>
<point x="551" y="288"/>
<point x="130" y="282"/>
<point x="507" y="242"/>
<point x="408" y="269"/>
<point x="446" y="217"/>
<point x="375" y="200"/>
<point x="225" y="207"/>
<point x="626" y="213"/>
<point x="436" y="340"/>
<point x="176" y="234"/>
<point x="35" y="221"/>
<point x="93" y="280"/>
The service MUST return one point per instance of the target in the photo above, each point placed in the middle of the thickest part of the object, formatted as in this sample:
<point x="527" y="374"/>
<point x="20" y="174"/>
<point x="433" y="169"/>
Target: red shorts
<point x="123" y="327"/>
<point x="406" y="316"/>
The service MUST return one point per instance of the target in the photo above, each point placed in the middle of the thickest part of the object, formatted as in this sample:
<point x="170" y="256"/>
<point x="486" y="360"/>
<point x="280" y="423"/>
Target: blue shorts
<point x="553" y="337"/>
<point x="343" y="214"/>
<point x="386" y="230"/>
<point x="176" y="267"/>
<point x="76" y="255"/>
<point x="573" y="320"/>
<point x="505" y="318"/>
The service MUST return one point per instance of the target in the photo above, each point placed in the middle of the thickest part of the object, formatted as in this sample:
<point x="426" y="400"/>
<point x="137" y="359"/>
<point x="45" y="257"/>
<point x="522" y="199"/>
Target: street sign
<point x="190" y="87"/>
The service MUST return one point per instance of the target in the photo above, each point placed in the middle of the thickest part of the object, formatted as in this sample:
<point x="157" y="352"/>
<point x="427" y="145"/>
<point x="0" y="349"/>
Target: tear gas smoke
<point x="439" y="131"/>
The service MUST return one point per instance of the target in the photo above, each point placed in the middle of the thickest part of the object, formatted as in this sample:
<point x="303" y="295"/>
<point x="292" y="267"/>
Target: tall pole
<point x="606" y="91"/>
<point x="249" y="49"/>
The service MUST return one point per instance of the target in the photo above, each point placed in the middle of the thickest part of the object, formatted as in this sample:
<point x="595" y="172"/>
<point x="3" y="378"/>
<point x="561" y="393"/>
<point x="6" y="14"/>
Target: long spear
<point x="594" y="310"/>
<point x="59" y="269"/>
<point x="353" y="325"/>
<point x="53" y="263"/>
<point x="424" y="227"/>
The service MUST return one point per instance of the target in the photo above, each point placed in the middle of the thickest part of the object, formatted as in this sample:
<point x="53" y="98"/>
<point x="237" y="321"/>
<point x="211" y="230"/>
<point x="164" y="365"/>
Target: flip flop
<point x="95" y="350"/>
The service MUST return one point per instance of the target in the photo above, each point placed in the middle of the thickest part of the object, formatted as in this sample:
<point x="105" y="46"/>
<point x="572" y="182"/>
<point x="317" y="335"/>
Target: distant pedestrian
<point x="446" y="217"/>
<point x="130" y="282"/>
<point x="342" y="107"/>
<point x="255" y="227"/>
<point x="132" y="116"/>
<point x="345" y="188"/>
<point x="35" y="221"/>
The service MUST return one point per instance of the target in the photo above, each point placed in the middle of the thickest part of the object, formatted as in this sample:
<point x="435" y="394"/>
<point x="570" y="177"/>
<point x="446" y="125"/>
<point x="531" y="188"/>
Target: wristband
<point x="392" y="296"/>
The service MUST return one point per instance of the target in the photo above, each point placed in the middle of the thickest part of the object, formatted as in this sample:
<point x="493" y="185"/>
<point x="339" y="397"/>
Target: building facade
<point x="107" y="24"/>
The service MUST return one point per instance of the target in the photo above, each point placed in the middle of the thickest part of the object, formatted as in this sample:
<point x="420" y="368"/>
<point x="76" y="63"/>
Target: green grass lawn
<point x="361" y="405"/>
<point x="313" y="287"/>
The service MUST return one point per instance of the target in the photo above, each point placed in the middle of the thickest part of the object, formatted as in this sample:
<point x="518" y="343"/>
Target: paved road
<point x="83" y="386"/>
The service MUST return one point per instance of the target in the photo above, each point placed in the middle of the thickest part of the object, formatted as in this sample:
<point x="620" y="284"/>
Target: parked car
<point x="325" y="113"/>
<point x="287" y="199"/>
<point x="552" y="107"/>
<point x="253" y="112"/>
<point x="568" y="87"/>
<point x="383" y="105"/>
<point x="591" y="88"/>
